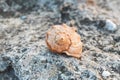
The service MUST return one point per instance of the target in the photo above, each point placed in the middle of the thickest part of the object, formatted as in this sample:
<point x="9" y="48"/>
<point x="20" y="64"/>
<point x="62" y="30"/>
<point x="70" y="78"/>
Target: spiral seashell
<point x="64" y="39"/>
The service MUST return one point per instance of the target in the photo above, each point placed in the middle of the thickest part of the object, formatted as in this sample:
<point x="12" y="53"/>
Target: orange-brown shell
<point x="64" y="39"/>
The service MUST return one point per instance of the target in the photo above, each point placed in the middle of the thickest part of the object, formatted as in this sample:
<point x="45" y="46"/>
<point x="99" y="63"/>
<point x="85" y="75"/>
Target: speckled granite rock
<point x="13" y="5"/>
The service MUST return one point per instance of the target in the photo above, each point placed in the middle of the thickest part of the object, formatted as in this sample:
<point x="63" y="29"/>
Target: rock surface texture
<point x="24" y="54"/>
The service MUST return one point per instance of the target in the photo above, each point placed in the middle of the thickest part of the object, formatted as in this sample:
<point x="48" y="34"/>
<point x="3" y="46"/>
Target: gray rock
<point x="13" y="5"/>
<point x="116" y="67"/>
<point x="4" y="63"/>
<point x="3" y="66"/>
<point x="88" y="75"/>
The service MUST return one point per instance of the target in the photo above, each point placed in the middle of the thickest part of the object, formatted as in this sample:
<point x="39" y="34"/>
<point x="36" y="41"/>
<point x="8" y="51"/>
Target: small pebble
<point x="106" y="74"/>
<point x="110" y="26"/>
<point x="23" y="17"/>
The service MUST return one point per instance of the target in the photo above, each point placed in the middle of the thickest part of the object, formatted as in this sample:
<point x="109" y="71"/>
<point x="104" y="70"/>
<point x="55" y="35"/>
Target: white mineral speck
<point x="106" y="74"/>
<point x="110" y="26"/>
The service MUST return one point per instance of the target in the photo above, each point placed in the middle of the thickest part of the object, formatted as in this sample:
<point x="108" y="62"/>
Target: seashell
<point x="64" y="39"/>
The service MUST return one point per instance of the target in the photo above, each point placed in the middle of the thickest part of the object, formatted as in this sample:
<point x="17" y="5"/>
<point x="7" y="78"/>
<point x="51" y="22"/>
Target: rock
<point x="4" y="63"/>
<point x="117" y="38"/>
<point x="108" y="48"/>
<point x="8" y="74"/>
<point x="88" y="75"/>
<point x="110" y="26"/>
<point x="13" y="5"/>
<point x="106" y="73"/>
<point x="116" y="67"/>
<point x="3" y="66"/>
